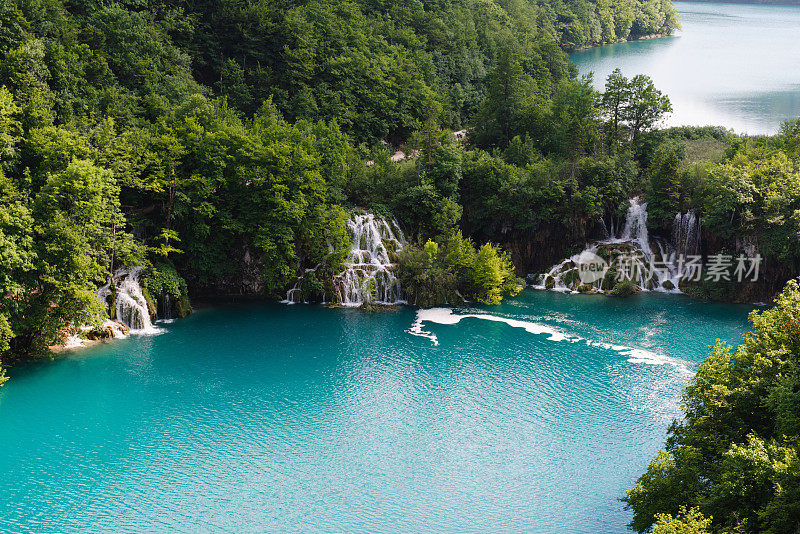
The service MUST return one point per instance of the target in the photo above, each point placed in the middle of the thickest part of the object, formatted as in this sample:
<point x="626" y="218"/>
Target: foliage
<point x="632" y="106"/>
<point x="664" y="189"/>
<point x="735" y="455"/>
<point x="163" y="283"/>
<point x="456" y="270"/>
<point x="230" y="138"/>
<point x="162" y="279"/>
<point x="624" y="288"/>
<point x="686" y="522"/>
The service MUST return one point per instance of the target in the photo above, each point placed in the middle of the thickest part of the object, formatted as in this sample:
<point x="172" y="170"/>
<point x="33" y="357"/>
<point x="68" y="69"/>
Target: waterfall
<point x="295" y="294"/>
<point x="130" y="304"/>
<point x="634" y="242"/>
<point x="369" y="270"/>
<point x="635" y="229"/>
<point x="686" y="233"/>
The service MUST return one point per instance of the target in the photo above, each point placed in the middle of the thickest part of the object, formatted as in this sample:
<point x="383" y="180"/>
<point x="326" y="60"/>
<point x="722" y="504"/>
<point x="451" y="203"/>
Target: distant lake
<point x="732" y="65"/>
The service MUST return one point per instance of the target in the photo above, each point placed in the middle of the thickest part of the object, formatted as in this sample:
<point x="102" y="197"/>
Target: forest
<point x="223" y="144"/>
<point x="182" y="136"/>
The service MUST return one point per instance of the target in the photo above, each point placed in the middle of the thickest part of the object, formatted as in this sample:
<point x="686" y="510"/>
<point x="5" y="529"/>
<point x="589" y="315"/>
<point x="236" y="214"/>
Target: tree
<point x="790" y="137"/>
<point x="686" y="522"/>
<point x="507" y="88"/>
<point x="17" y="260"/>
<point x="575" y="114"/>
<point x="664" y="190"/>
<point x="616" y="96"/>
<point x="493" y="275"/>
<point x="75" y="215"/>
<point x="646" y="105"/>
<point x="735" y="457"/>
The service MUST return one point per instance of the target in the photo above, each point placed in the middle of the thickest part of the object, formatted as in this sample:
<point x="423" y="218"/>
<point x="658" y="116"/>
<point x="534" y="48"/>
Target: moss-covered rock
<point x="165" y="289"/>
<point x="570" y="278"/>
<point x="152" y="307"/>
<point x="609" y="279"/>
<point x="624" y="288"/>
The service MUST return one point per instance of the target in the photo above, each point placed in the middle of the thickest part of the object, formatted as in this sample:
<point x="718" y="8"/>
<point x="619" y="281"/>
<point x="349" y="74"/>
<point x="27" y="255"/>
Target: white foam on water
<point x="447" y="316"/>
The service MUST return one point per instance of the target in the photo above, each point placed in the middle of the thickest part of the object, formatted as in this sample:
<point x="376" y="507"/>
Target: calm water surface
<point x="301" y="418"/>
<point x="732" y="65"/>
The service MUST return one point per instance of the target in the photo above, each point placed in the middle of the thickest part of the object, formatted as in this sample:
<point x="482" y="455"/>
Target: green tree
<point x="646" y="105"/>
<point x="734" y="456"/>
<point x="507" y="88"/>
<point x="664" y="190"/>
<point x="493" y="275"/>
<point x="575" y="113"/>
<point x="686" y="522"/>
<point x="77" y="233"/>
<point x="614" y="99"/>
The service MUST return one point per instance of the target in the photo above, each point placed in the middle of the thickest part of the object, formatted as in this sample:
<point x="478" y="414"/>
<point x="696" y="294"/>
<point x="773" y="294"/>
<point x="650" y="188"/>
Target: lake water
<point x="535" y="415"/>
<point x="732" y="65"/>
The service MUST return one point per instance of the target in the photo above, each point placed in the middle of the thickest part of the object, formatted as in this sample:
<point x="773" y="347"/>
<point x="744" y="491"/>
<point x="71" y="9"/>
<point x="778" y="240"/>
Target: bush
<point x="624" y="288"/>
<point x="687" y="522"/>
<point x="710" y="290"/>
<point x="435" y="274"/>
<point x="163" y="286"/>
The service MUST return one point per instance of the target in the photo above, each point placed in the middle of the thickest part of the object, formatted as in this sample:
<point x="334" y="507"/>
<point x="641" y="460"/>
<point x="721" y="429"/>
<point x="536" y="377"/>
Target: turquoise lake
<point x="732" y="65"/>
<point x="271" y="418"/>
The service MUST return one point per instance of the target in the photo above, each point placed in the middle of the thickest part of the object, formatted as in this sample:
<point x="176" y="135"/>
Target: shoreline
<point x="784" y="3"/>
<point x="110" y="330"/>
<point x="622" y="41"/>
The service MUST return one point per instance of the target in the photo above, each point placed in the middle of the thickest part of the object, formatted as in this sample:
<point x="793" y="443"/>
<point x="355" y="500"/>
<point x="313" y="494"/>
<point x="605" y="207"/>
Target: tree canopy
<point x="735" y="456"/>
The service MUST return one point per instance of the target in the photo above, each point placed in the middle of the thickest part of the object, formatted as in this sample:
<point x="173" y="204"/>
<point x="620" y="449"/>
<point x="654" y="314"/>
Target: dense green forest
<point x="223" y="144"/>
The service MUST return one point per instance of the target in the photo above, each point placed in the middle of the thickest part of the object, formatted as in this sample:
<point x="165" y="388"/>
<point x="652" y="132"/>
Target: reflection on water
<point x="736" y="66"/>
<point x="532" y="416"/>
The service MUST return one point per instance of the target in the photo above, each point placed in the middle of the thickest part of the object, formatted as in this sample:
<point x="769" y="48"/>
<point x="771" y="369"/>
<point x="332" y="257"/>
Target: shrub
<point x="735" y="454"/>
<point x="438" y="274"/>
<point x="624" y="288"/>
<point x="163" y="286"/>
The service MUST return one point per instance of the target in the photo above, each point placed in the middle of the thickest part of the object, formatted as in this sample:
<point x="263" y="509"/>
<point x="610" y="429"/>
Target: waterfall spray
<point x="635" y="242"/>
<point x="686" y="233"/>
<point x="369" y="271"/>
<point x="130" y="304"/>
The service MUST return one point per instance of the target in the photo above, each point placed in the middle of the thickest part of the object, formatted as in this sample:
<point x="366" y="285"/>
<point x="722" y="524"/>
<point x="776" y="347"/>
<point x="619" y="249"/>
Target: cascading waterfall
<point x="368" y="275"/>
<point x="635" y="229"/>
<point x="295" y="294"/>
<point x="369" y="270"/>
<point x="686" y="233"/>
<point x="633" y="240"/>
<point x="130" y="304"/>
